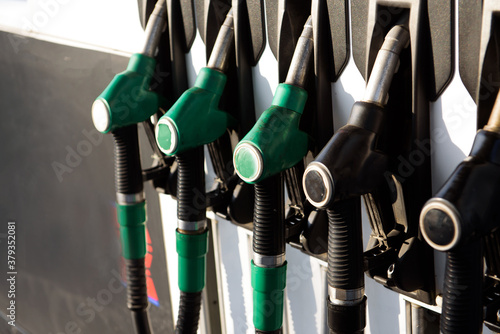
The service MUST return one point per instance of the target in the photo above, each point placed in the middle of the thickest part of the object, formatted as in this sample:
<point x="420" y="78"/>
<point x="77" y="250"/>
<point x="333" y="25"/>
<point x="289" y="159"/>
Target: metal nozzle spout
<point x="494" y="121"/>
<point x="297" y="74"/>
<point x="155" y="27"/>
<point x="386" y="65"/>
<point x="219" y="58"/>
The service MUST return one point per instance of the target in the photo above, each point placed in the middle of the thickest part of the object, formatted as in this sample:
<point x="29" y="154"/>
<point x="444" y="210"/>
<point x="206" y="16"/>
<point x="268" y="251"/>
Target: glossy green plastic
<point x="276" y="136"/>
<point x="192" y="250"/>
<point x="268" y="296"/>
<point x="132" y="220"/>
<point x="128" y="98"/>
<point x="195" y="115"/>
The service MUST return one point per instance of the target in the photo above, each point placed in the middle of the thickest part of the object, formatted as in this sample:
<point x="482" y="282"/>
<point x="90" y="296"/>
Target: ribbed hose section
<point x="191" y="199"/>
<point x="462" y="292"/>
<point x="191" y="207"/>
<point x="128" y="172"/>
<point x="345" y="245"/>
<point x="268" y="226"/>
<point x="189" y="313"/>
<point x="137" y="295"/>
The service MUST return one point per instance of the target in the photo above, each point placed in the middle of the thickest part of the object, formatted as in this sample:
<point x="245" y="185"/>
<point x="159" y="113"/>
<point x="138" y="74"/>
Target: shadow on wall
<point x="234" y="277"/>
<point x="300" y="292"/>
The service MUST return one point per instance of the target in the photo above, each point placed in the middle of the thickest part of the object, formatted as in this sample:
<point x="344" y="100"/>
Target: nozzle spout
<point x="219" y="58"/>
<point x="494" y="121"/>
<point x="386" y="65"/>
<point x="297" y="74"/>
<point x="155" y="27"/>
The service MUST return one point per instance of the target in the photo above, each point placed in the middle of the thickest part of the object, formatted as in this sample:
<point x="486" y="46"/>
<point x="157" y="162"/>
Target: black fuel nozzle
<point x="456" y="218"/>
<point x="464" y="209"/>
<point x="353" y="161"/>
<point x="351" y="164"/>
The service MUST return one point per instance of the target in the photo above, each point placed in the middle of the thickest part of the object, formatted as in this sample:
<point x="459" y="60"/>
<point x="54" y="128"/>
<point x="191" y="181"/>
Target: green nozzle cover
<point x="192" y="250"/>
<point x="195" y="118"/>
<point x="275" y="142"/>
<point x="268" y="293"/>
<point x="127" y="100"/>
<point x="132" y="220"/>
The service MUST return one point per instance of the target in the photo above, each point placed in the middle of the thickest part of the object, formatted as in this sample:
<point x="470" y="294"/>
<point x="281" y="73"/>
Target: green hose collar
<point x="192" y="250"/>
<point x="268" y="296"/>
<point x="132" y="220"/>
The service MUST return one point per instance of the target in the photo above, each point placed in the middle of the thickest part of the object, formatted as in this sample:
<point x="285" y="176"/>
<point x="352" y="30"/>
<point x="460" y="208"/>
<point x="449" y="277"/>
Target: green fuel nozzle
<point x="195" y="118"/>
<point x="127" y="100"/>
<point x="275" y="143"/>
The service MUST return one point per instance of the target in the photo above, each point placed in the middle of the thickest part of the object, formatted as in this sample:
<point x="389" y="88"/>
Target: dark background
<point x="67" y="239"/>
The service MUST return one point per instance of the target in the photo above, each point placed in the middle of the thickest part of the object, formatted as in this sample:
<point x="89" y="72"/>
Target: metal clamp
<point x="269" y="261"/>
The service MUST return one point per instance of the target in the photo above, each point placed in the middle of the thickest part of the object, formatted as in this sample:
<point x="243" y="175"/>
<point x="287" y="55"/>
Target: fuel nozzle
<point x="275" y="142"/>
<point x="273" y="145"/>
<point x="195" y="118"/>
<point x="127" y="100"/>
<point x="465" y="209"/>
<point x="455" y="220"/>
<point x="352" y="162"/>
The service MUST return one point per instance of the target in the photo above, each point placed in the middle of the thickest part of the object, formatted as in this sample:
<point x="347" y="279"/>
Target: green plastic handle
<point x="127" y="100"/>
<point x="195" y="118"/>
<point x="275" y="142"/>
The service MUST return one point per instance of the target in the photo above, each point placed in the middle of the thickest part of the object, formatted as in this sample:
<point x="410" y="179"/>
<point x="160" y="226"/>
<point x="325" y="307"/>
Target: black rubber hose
<point x="347" y="319"/>
<point x="345" y="245"/>
<point x="189" y="313"/>
<point x="128" y="170"/>
<point x="141" y="322"/>
<point x="191" y="198"/>
<point x="345" y="266"/>
<point x="268" y="226"/>
<point x="191" y="206"/>
<point x="268" y="223"/>
<point x="137" y="295"/>
<point x="128" y="180"/>
<point x="462" y="292"/>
